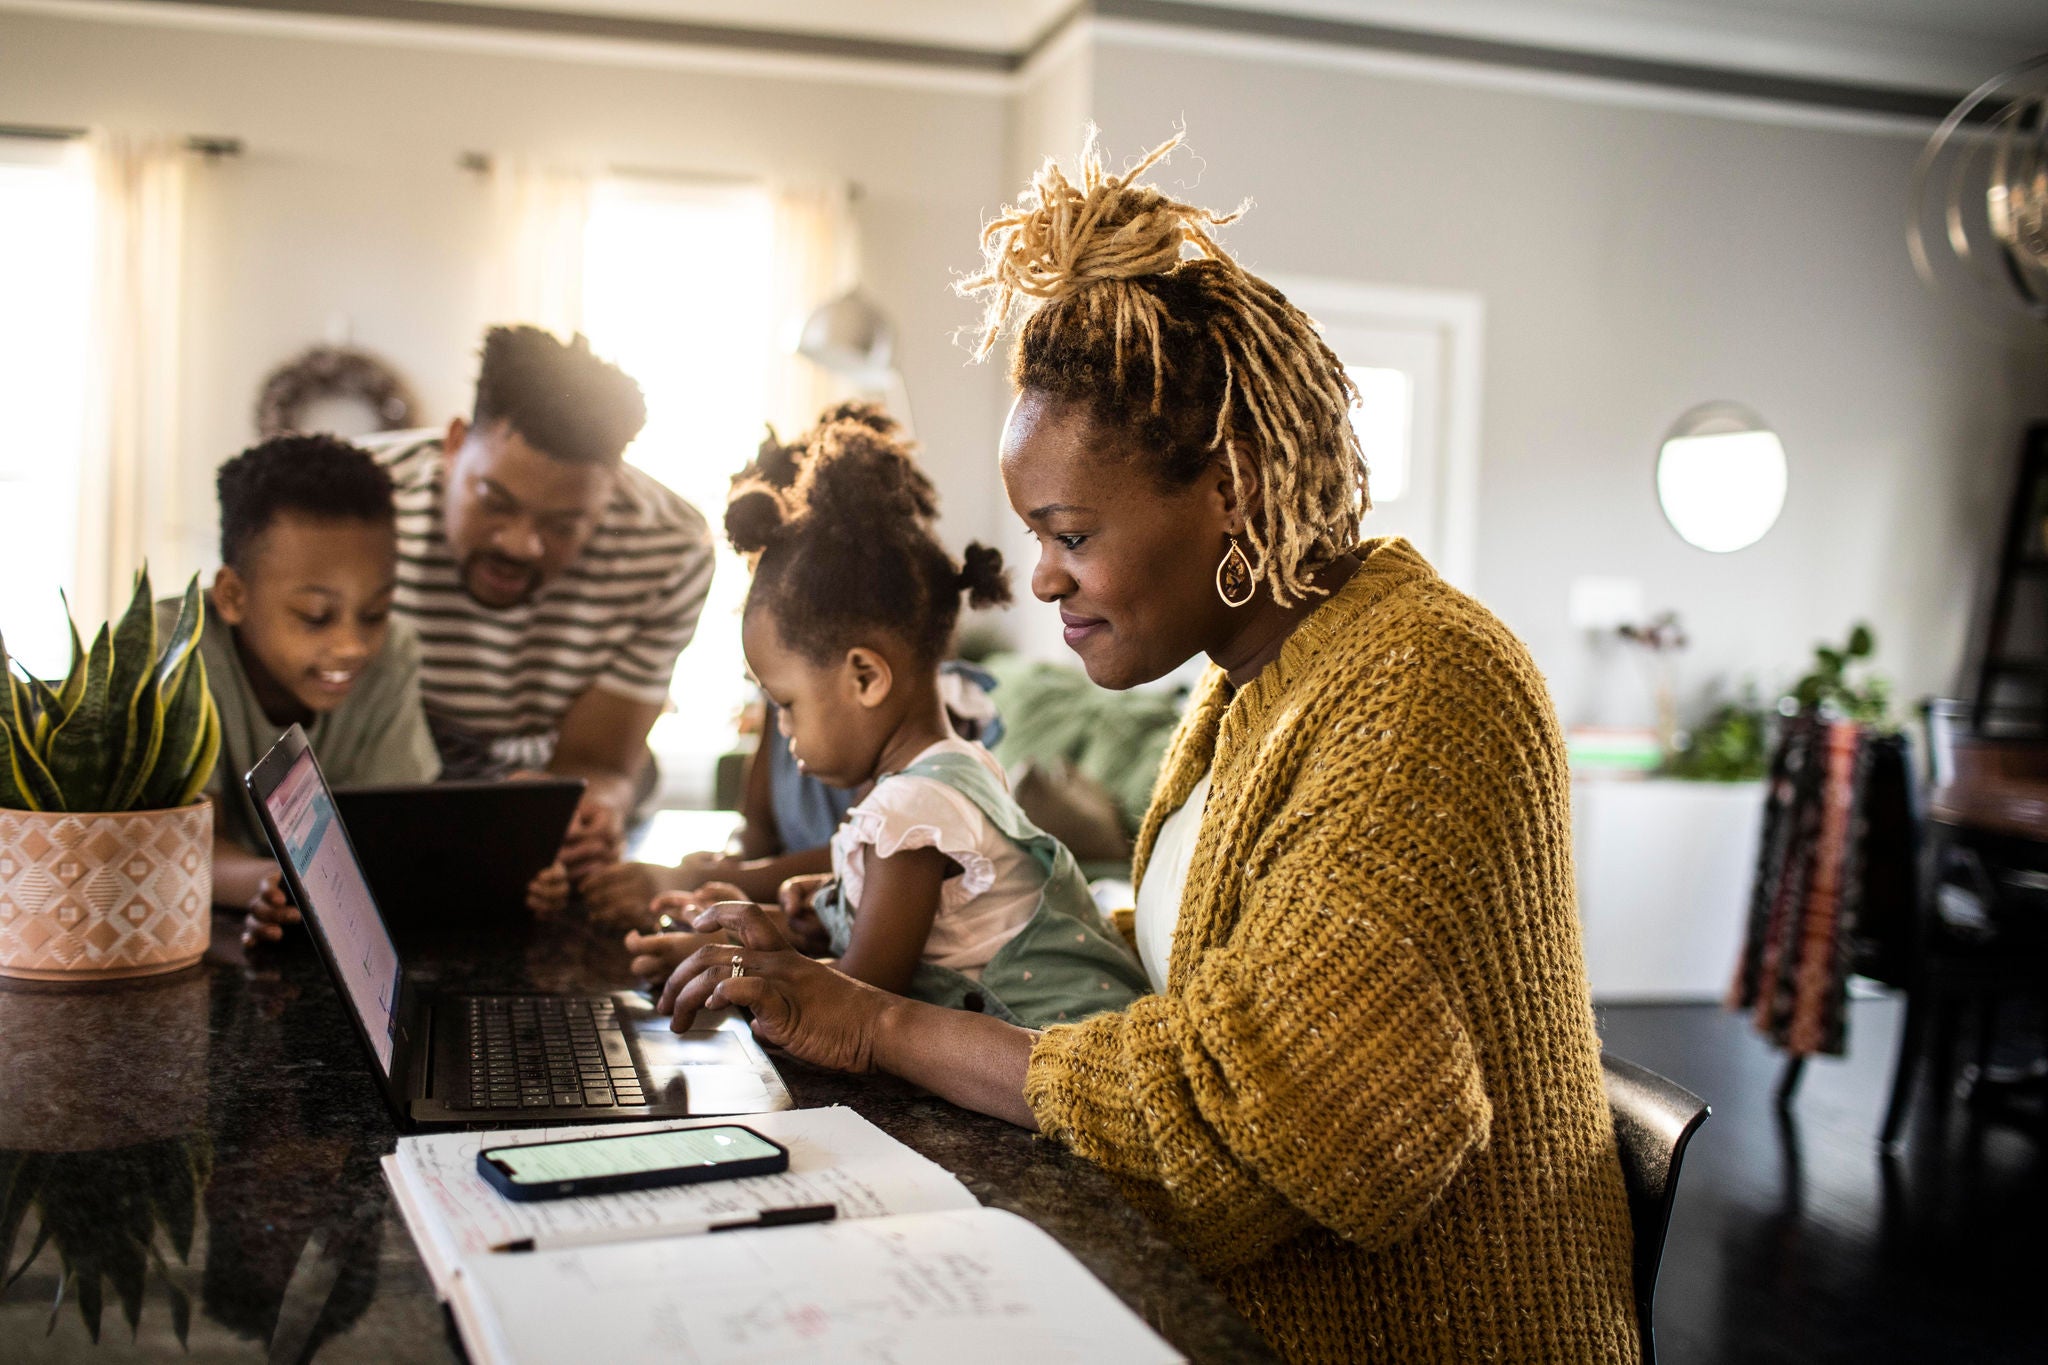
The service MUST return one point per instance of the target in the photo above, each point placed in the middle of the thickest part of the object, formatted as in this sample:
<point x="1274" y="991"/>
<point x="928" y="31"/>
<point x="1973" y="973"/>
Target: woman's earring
<point x="1235" y="581"/>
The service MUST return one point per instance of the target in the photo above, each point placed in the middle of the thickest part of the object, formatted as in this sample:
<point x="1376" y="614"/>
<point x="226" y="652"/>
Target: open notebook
<point x="915" y="1269"/>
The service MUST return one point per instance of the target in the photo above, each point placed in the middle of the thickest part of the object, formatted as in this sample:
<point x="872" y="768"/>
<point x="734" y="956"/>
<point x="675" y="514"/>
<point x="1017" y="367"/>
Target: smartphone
<point x="631" y="1161"/>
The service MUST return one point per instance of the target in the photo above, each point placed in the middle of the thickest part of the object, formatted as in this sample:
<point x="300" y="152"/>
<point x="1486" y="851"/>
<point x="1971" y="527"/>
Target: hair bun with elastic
<point x="983" y="577"/>
<point x="776" y="462"/>
<point x="754" y="516"/>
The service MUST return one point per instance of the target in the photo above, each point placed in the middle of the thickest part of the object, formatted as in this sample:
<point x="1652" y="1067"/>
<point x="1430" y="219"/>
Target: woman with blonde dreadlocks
<point x="1366" y="1097"/>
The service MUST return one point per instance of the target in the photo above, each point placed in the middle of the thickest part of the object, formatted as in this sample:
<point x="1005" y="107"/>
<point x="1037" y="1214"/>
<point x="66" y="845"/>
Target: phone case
<point x="628" y="1180"/>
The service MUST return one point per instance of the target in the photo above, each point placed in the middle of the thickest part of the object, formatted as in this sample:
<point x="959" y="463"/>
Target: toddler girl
<point x="941" y="889"/>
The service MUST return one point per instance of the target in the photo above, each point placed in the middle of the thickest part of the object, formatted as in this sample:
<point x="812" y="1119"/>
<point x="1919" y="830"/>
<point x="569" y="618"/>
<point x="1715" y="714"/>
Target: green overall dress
<point x="1063" y="965"/>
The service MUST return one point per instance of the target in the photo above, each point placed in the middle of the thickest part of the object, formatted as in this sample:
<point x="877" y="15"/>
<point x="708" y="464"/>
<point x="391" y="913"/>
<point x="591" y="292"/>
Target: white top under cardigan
<point x="1166" y="875"/>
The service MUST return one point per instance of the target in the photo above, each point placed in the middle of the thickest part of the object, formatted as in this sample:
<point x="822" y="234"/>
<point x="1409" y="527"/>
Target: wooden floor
<point x="1798" y="1242"/>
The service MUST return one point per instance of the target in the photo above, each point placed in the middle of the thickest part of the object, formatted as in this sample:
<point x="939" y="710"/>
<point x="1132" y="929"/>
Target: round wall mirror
<point x="1721" y="477"/>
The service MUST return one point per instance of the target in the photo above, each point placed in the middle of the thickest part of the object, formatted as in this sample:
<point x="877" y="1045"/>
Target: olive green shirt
<point x="378" y="735"/>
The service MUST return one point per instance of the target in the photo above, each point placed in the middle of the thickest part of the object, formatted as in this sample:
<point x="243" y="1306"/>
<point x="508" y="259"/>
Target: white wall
<point x="349" y="202"/>
<point x="1635" y="261"/>
<point x="1047" y="116"/>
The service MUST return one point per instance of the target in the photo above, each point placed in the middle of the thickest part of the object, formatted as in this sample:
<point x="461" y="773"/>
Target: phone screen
<point x="589" y="1158"/>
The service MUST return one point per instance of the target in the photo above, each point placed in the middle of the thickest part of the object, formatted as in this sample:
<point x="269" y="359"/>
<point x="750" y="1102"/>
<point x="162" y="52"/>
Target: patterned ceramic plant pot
<point x="104" y="895"/>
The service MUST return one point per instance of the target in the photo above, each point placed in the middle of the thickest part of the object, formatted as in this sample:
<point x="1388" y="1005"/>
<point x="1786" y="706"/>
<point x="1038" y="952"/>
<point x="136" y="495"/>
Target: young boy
<point x="299" y="631"/>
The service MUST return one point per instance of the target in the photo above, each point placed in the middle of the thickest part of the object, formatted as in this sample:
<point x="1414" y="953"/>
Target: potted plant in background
<point x="1733" y="744"/>
<point x="105" y="840"/>
<point x="1830" y="692"/>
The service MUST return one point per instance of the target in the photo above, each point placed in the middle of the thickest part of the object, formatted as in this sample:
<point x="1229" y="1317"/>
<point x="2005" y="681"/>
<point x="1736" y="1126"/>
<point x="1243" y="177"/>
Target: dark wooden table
<point x="202" y="1151"/>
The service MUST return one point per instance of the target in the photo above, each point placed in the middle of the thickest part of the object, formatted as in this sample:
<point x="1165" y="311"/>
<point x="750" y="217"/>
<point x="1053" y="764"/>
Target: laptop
<point x="500" y="1059"/>
<point x="456" y="855"/>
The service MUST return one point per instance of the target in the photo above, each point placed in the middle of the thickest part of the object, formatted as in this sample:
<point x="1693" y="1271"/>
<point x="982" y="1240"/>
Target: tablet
<point x="456" y="854"/>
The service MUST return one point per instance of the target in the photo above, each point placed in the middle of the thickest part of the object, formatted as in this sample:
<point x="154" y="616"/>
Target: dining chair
<point x="1981" y="931"/>
<point x="1654" y="1119"/>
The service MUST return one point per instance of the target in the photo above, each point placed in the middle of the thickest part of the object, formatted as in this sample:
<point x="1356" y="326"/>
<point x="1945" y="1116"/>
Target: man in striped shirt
<point x="552" y="584"/>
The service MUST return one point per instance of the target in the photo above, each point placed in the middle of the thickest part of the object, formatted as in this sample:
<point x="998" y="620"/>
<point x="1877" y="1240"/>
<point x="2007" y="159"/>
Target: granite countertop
<point x="204" y="1151"/>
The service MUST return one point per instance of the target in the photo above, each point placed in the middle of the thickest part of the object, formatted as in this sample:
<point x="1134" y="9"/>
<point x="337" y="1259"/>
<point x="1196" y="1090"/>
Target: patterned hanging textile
<point x="1836" y="840"/>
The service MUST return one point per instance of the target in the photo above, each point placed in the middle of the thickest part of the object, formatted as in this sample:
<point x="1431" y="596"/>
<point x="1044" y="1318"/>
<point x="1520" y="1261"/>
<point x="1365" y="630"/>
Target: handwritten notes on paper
<point x="977" y="1284"/>
<point x="914" y="1271"/>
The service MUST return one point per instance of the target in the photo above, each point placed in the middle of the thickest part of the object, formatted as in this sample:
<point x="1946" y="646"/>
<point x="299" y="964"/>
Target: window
<point x="1384" y="420"/>
<point x="676" y="290"/>
<point x="1414" y="355"/>
<point x="46" y="241"/>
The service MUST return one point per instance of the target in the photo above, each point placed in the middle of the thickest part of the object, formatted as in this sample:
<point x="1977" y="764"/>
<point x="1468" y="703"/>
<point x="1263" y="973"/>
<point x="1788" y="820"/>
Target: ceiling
<point x="1942" y="45"/>
<point x="990" y="25"/>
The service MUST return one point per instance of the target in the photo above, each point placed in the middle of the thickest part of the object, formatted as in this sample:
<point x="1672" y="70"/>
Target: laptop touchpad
<point x="659" y="1047"/>
<point x="710" y="1069"/>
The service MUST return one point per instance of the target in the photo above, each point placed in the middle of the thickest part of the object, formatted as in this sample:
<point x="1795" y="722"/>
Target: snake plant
<point x="132" y="727"/>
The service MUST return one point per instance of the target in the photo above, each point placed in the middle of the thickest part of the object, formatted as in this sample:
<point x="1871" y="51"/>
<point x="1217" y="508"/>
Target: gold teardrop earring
<point x="1235" y="582"/>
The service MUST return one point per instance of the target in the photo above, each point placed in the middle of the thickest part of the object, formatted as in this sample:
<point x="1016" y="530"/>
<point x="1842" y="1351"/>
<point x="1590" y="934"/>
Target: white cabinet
<point x="1664" y="871"/>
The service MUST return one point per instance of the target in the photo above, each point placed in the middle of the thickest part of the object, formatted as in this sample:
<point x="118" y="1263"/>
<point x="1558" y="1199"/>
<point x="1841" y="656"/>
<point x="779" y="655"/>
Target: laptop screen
<point x="303" y="810"/>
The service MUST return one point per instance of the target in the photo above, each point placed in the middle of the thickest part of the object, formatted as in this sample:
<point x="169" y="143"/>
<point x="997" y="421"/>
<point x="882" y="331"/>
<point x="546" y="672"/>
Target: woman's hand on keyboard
<point x="798" y="1004"/>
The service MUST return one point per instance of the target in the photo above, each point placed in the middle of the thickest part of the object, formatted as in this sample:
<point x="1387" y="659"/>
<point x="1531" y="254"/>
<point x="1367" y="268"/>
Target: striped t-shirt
<point x="500" y="679"/>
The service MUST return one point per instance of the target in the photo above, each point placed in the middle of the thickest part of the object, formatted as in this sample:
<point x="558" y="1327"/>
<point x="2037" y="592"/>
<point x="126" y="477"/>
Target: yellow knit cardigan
<point x="1369" y="1103"/>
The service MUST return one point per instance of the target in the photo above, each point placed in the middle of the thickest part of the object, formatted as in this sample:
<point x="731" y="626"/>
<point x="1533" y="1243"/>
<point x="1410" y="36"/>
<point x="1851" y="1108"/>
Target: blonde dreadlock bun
<point x="1065" y="236"/>
<point x="1126" y="302"/>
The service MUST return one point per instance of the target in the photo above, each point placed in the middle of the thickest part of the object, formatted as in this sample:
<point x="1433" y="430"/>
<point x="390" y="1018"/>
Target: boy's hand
<point x="270" y="910"/>
<point x="548" y="893"/>
<point x="596" y="838"/>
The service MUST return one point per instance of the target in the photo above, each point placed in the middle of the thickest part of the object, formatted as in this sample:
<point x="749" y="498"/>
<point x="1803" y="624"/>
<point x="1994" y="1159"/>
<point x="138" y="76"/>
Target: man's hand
<point x="596" y="838"/>
<point x="548" y="893"/>
<point x="270" y="910"/>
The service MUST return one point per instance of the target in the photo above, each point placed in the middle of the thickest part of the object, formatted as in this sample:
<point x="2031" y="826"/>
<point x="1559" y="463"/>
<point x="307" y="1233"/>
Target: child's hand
<point x="697" y="869"/>
<point x="797" y="893"/>
<point x="656" y="955"/>
<point x="684" y="906"/>
<point x="270" y="909"/>
<point x="806" y="930"/>
<point x="618" y="895"/>
<point x="548" y="892"/>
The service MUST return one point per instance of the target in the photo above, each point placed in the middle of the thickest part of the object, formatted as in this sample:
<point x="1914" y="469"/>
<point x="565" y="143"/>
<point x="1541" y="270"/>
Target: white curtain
<point x="817" y="256"/>
<point x="130" y="491"/>
<point x="540" y="214"/>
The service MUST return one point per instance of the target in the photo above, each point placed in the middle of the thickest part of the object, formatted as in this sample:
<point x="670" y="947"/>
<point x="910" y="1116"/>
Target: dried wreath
<point x="333" y="372"/>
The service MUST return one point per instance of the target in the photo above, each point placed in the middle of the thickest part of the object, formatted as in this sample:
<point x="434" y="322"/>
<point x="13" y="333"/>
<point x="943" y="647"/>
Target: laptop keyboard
<point x="547" y="1052"/>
